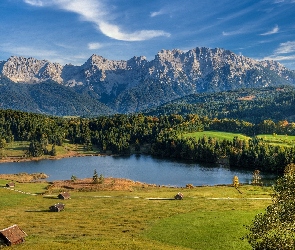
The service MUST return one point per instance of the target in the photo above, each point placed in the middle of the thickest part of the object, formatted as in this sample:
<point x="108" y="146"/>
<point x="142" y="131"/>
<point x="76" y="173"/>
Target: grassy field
<point x="16" y="150"/>
<point x="279" y="140"/>
<point x="273" y="139"/>
<point x="209" y="217"/>
<point x="216" y="134"/>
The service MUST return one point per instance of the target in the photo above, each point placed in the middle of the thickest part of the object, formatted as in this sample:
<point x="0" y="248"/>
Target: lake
<point x="141" y="168"/>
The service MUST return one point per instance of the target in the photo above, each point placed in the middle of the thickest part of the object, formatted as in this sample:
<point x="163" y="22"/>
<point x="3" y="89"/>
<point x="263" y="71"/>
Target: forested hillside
<point x="163" y="136"/>
<point x="49" y="98"/>
<point x="253" y="105"/>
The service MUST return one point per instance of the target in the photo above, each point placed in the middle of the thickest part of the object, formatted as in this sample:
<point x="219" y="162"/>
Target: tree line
<point x="251" y="104"/>
<point x="163" y="134"/>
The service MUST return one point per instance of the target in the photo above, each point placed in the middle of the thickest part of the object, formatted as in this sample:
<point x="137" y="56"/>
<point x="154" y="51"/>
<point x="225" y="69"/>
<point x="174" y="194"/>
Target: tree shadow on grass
<point x="38" y="211"/>
<point x="51" y="197"/>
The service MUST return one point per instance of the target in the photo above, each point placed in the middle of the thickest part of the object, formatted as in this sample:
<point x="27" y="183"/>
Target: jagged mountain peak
<point x="134" y="84"/>
<point x="103" y="63"/>
<point x="30" y="70"/>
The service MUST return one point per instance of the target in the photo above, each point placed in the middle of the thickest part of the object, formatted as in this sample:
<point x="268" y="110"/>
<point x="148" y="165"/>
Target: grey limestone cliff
<point x="137" y="83"/>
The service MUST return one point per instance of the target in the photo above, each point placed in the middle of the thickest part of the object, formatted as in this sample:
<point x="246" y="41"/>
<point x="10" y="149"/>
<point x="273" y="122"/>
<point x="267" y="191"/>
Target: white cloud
<point x="234" y="32"/>
<point x="285" y="52"/>
<point x="287" y="47"/>
<point x="157" y="13"/>
<point x="27" y="51"/>
<point x="93" y="46"/>
<point x="94" y="11"/>
<point x="43" y="54"/>
<point x="280" y="58"/>
<point x="34" y="2"/>
<point x="271" y="32"/>
<point x="284" y="1"/>
<point x="114" y="31"/>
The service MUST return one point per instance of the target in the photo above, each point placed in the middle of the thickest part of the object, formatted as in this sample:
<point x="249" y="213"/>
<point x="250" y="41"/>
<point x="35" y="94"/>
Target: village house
<point x="179" y="196"/>
<point x="10" y="184"/>
<point x="64" y="196"/>
<point x="12" y="235"/>
<point x="57" y="207"/>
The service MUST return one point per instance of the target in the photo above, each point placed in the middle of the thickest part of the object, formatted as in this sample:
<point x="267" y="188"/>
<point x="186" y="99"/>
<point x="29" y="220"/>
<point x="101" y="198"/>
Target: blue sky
<point x="70" y="31"/>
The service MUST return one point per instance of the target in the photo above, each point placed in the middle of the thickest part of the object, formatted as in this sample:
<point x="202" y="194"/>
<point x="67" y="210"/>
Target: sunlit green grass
<point x="216" y="134"/>
<point x="279" y="140"/>
<point x="204" y="229"/>
<point x="273" y="139"/>
<point x="207" y="217"/>
<point x="17" y="149"/>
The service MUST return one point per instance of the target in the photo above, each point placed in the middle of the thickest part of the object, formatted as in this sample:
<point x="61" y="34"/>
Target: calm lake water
<point x="138" y="168"/>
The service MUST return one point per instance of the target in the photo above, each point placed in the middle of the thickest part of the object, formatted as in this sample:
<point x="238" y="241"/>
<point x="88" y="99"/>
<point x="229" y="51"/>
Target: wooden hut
<point x="57" y="207"/>
<point x="64" y="196"/>
<point x="179" y="196"/>
<point x="10" y="184"/>
<point x="12" y="235"/>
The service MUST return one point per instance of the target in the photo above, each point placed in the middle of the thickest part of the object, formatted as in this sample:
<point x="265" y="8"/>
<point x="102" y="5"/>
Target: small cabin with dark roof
<point x="179" y="196"/>
<point x="57" y="207"/>
<point x="64" y="196"/>
<point x="10" y="184"/>
<point x="12" y="235"/>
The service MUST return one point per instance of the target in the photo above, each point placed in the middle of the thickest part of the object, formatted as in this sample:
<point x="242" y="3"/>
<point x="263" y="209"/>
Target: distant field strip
<point x="228" y="198"/>
<point x="216" y="134"/>
<point x="273" y="139"/>
<point x="278" y="140"/>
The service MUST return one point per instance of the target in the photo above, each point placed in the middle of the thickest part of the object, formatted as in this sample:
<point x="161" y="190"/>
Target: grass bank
<point x="209" y="217"/>
<point x="16" y="152"/>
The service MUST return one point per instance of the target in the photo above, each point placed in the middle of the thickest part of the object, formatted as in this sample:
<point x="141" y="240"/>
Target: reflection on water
<point x="138" y="168"/>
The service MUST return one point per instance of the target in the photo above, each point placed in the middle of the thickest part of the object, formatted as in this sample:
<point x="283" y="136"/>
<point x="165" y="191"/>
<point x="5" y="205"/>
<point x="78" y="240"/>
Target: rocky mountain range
<point x="137" y="84"/>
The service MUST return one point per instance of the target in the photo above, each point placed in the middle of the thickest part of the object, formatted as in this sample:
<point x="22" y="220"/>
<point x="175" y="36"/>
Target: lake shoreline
<point x="143" y="168"/>
<point x="47" y="157"/>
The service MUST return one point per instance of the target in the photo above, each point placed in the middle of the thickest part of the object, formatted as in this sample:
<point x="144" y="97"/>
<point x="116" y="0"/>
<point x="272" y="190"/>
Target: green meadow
<point x="279" y="140"/>
<point x="217" y="135"/>
<point x="17" y="150"/>
<point x="273" y="139"/>
<point x="209" y="217"/>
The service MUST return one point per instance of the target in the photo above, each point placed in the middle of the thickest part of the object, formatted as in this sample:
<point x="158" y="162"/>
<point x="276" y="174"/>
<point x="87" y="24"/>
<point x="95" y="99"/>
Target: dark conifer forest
<point x="162" y="136"/>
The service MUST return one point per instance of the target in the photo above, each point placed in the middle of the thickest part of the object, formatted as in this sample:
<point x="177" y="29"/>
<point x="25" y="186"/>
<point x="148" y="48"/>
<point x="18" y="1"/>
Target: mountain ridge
<point x="127" y="86"/>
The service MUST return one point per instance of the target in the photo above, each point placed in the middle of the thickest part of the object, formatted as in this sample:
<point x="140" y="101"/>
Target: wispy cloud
<point x="233" y="33"/>
<point x="280" y="58"/>
<point x="93" y="46"/>
<point x="157" y="13"/>
<point x="115" y="32"/>
<point x="244" y="29"/>
<point x="287" y="47"/>
<point x="285" y="52"/>
<point x="284" y="1"/>
<point x="96" y="12"/>
<point x="27" y="51"/>
<point x="41" y="54"/>
<point x="271" y="32"/>
<point x="34" y="2"/>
